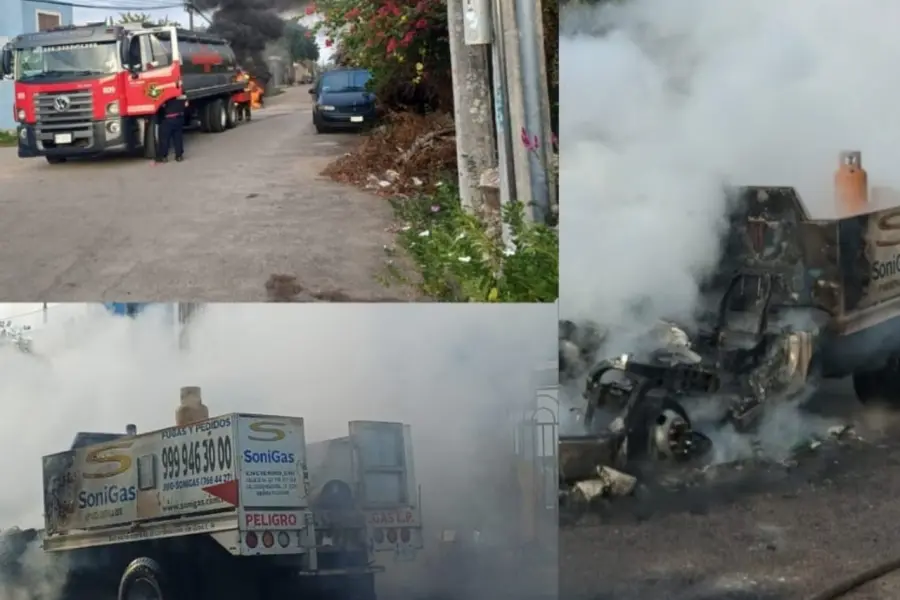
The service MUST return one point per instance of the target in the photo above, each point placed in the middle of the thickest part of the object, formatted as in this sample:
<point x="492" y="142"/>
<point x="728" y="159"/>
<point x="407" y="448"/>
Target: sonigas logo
<point x="107" y="461"/>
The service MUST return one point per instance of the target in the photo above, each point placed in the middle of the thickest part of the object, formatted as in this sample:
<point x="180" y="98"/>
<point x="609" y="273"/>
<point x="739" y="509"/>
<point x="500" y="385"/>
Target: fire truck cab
<point x="85" y="90"/>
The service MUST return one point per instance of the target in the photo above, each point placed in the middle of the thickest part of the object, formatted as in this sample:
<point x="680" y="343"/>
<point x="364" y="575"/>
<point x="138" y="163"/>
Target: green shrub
<point x="7" y="138"/>
<point x="460" y="260"/>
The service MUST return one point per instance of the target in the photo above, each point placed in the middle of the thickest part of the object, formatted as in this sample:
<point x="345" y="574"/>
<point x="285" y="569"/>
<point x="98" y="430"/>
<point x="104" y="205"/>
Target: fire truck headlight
<point x="112" y="108"/>
<point x="20" y="115"/>
<point x="113" y="127"/>
<point x="23" y="133"/>
<point x="325" y="107"/>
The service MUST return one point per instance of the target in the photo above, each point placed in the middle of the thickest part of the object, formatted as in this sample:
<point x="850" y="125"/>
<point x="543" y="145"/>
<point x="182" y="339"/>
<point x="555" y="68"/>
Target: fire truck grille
<point x="64" y="114"/>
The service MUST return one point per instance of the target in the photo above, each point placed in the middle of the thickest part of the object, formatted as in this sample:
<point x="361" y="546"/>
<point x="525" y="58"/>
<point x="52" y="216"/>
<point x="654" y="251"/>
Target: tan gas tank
<point x="191" y="409"/>
<point x="851" y="184"/>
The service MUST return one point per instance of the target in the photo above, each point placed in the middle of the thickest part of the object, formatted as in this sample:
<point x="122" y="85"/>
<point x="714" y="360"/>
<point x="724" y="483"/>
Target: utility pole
<point x="472" y="106"/>
<point x="520" y="26"/>
<point x="190" y="12"/>
<point x="186" y="313"/>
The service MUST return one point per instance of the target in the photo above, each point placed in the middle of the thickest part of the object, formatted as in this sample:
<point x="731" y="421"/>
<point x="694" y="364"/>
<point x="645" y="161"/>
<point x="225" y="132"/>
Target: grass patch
<point x="459" y="260"/>
<point x="7" y="139"/>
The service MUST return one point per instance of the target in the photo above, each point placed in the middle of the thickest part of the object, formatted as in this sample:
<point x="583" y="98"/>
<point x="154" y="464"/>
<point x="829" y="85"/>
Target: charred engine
<point x="745" y="353"/>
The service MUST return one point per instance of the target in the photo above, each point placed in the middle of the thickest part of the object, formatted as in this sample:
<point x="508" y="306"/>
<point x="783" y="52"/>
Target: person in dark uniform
<point x="171" y="129"/>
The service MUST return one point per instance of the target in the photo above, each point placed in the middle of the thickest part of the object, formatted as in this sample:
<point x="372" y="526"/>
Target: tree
<point x="300" y="42"/>
<point x="140" y="18"/>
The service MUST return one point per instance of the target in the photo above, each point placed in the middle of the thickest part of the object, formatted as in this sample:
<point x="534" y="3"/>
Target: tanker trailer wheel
<point x="203" y="114"/>
<point x="218" y="117"/>
<point x="879" y="388"/>
<point x="231" y="114"/>
<point x="144" y="579"/>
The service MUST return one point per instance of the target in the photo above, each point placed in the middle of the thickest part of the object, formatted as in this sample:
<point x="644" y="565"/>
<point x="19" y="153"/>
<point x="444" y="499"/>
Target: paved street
<point x="772" y="534"/>
<point x="246" y="204"/>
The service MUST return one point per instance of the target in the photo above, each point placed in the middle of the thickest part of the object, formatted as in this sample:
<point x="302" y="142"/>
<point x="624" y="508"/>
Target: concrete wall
<point x="20" y="16"/>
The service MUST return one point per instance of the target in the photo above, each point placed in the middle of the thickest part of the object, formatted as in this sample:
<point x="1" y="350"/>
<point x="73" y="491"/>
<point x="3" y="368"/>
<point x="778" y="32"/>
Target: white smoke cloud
<point x="460" y="375"/>
<point x="664" y="102"/>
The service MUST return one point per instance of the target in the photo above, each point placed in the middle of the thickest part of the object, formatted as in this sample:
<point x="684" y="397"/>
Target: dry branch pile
<point x="407" y="153"/>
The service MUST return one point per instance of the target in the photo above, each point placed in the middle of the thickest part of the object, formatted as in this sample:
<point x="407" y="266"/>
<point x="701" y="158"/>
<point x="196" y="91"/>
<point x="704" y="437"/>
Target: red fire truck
<point x="84" y="90"/>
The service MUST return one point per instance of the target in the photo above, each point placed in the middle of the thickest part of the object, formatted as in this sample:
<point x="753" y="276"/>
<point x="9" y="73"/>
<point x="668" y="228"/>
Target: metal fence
<point x="537" y="442"/>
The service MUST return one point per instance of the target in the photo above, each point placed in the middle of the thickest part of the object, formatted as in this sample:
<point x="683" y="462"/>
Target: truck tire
<point x="879" y="388"/>
<point x="231" y="114"/>
<point x="203" y="117"/>
<point x="144" y="579"/>
<point x="338" y="587"/>
<point x="218" y="117"/>
<point x="362" y="588"/>
<point x="151" y="137"/>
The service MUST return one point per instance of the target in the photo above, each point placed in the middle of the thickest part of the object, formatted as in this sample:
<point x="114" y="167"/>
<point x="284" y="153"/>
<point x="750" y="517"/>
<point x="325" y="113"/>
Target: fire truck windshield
<point x="66" y="60"/>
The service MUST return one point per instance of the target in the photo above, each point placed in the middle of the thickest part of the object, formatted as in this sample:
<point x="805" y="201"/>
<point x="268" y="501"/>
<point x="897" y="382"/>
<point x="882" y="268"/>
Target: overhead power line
<point x="128" y="5"/>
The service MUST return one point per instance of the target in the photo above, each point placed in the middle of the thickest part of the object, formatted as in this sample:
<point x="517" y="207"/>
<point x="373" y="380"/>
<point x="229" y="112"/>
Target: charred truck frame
<point x="237" y="506"/>
<point x="85" y="90"/>
<point x="794" y="300"/>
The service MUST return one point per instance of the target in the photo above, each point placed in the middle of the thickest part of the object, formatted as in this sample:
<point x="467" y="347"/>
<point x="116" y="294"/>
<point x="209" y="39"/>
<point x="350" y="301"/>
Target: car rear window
<point x="345" y="81"/>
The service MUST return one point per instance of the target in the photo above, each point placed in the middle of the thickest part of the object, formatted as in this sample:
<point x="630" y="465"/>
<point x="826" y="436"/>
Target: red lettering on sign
<point x="273" y="520"/>
<point x="392" y="517"/>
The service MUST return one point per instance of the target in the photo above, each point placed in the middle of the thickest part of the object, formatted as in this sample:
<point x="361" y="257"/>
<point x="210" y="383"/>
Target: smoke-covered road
<point x="776" y="534"/>
<point x="245" y="204"/>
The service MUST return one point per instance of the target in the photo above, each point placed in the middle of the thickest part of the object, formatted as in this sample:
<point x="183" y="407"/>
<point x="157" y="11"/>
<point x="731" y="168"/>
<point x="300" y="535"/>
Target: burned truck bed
<point x="794" y="300"/>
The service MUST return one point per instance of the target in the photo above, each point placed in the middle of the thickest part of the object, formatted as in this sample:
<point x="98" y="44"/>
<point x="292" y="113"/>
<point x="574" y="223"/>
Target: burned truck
<point x="237" y="506"/>
<point x="794" y="300"/>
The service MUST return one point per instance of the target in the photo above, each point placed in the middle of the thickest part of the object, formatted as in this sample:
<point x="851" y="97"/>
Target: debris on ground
<point x="407" y="153"/>
<point x="286" y="288"/>
<point x="608" y="483"/>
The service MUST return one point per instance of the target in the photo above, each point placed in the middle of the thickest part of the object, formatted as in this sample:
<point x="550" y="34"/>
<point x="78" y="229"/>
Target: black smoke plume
<point x="249" y="25"/>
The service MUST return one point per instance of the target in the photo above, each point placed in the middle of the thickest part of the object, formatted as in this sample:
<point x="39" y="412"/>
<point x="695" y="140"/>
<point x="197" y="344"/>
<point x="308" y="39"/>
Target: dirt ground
<point x="782" y="532"/>
<point x="246" y="204"/>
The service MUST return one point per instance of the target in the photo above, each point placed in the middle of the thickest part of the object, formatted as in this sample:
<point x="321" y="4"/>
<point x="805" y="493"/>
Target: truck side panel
<point x="274" y="487"/>
<point x="870" y="252"/>
<point x="272" y="462"/>
<point x="173" y="472"/>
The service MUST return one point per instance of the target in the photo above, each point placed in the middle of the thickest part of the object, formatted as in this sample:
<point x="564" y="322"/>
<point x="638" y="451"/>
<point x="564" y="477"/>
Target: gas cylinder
<point x="851" y="183"/>
<point x="191" y="409"/>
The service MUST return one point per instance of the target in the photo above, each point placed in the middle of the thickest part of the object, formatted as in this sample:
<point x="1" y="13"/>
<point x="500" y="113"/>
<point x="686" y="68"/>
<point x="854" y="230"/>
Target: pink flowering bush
<point x="403" y="43"/>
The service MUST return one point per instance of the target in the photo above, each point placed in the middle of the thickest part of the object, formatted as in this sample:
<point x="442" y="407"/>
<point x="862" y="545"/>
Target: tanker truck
<point x="796" y="298"/>
<point x="215" y="508"/>
<point x="384" y="510"/>
<point x="85" y="90"/>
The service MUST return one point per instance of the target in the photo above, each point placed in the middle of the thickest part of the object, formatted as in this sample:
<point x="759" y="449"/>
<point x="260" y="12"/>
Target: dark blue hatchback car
<point x="342" y="100"/>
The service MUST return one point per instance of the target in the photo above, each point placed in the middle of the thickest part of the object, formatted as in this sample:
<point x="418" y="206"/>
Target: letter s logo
<point x="270" y="429"/>
<point x="889" y="228"/>
<point x="102" y="456"/>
